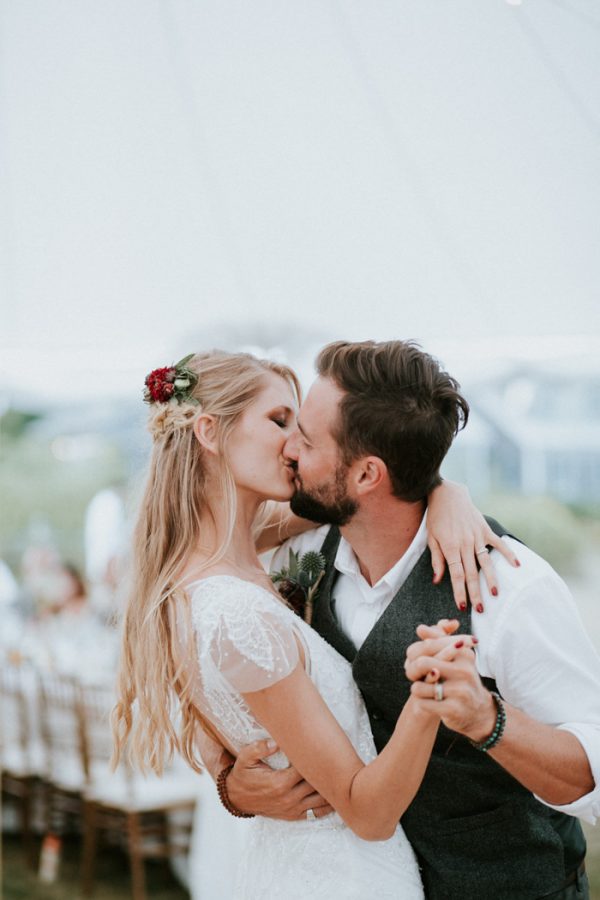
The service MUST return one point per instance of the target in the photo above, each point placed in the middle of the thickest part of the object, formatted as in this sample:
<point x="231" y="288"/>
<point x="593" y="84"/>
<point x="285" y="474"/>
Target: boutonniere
<point x="299" y="581"/>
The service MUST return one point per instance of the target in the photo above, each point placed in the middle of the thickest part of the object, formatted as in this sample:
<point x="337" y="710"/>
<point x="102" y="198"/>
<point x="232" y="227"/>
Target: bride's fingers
<point x="464" y="642"/>
<point x="432" y="646"/>
<point x="435" y="666"/>
<point x="442" y="628"/>
<point x="471" y="575"/>
<point x="492" y="540"/>
<point x="489" y="571"/>
<point x="438" y="561"/>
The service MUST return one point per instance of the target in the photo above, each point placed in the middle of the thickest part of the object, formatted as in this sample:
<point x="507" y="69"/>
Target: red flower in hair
<point x="176" y="381"/>
<point x="159" y="384"/>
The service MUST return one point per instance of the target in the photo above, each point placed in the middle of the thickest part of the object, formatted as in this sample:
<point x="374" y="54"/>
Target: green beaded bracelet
<point x="499" y="725"/>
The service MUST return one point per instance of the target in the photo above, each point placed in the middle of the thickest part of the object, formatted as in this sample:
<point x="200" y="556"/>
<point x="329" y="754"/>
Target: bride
<point x="210" y="644"/>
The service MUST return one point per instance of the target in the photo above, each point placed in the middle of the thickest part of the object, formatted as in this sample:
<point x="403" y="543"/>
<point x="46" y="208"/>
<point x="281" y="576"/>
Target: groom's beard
<point x="327" y="504"/>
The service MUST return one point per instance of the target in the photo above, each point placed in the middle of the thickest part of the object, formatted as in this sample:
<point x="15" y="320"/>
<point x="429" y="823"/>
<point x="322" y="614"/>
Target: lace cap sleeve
<point x="245" y="634"/>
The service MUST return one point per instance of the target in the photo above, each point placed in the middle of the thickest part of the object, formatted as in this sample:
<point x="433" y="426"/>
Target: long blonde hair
<point x="150" y="684"/>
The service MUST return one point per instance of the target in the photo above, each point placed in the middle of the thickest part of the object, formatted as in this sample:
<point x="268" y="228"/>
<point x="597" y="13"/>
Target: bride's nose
<point x="290" y="448"/>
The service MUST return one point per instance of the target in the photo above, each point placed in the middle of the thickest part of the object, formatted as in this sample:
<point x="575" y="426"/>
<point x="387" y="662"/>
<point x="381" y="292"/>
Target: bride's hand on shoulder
<point x="460" y="537"/>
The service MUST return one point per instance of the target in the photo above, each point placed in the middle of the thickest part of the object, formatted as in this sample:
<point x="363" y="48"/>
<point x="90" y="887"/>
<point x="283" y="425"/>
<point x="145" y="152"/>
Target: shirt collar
<point x="347" y="564"/>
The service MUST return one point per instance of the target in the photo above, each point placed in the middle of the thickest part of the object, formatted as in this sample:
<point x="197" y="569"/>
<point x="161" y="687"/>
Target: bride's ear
<point x="205" y="429"/>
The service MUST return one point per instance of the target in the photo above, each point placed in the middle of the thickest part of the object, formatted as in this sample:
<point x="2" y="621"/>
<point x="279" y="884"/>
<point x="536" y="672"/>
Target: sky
<point x="172" y="170"/>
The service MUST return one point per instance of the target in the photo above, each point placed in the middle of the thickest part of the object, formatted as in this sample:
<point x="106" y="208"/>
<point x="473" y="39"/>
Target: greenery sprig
<point x="299" y="581"/>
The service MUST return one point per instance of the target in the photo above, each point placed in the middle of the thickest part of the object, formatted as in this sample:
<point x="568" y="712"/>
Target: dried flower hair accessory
<point x="171" y="383"/>
<point x="299" y="581"/>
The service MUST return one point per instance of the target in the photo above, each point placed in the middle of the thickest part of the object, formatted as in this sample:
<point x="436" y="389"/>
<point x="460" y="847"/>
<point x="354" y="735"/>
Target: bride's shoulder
<point x="227" y="599"/>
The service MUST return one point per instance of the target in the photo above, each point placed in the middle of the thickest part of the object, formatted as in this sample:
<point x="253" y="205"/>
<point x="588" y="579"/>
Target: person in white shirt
<point x="521" y="742"/>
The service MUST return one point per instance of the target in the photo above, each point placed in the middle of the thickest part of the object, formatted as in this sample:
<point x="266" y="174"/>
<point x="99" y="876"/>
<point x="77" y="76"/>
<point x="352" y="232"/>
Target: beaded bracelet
<point x="499" y="725"/>
<point x="224" y="796"/>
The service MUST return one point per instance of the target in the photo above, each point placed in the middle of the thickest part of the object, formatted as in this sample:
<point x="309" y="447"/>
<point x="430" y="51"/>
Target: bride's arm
<point x="458" y="536"/>
<point x="279" y="525"/>
<point x="369" y="798"/>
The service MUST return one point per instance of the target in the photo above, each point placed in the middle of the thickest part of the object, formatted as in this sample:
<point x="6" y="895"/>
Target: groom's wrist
<point x="484" y="721"/>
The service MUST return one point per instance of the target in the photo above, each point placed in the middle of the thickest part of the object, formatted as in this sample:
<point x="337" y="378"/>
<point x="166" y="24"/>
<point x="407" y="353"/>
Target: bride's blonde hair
<point x="151" y="685"/>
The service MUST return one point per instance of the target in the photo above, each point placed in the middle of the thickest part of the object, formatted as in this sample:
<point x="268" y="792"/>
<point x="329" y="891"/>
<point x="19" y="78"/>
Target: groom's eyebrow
<point x="303" y="432"/>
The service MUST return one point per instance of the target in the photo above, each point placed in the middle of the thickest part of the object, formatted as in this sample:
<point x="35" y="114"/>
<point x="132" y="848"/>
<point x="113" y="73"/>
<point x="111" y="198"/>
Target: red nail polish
<point x="479" y="607"/>
<point x="494" y="591"/>
<point x="463" y="607"/>
<point x="459" y="644"/>
<point x="517" y="562"/>
<point x="475" y="640"/>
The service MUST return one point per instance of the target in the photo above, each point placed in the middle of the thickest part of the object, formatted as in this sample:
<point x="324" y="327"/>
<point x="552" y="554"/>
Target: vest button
<point x="376" y="715"/>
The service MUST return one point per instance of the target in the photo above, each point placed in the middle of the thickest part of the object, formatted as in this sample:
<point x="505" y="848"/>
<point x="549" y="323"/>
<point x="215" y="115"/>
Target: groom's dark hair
<point x="399" y="405"/>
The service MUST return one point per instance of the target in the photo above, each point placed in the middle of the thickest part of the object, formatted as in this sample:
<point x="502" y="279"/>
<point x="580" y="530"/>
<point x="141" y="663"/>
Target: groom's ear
<point x="205" y="429"/>
<point x="370" y="473"/>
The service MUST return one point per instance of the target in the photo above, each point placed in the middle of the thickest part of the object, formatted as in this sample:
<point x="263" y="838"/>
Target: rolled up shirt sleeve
<point x="588" y="806"/>
<point x="533" y="643"/>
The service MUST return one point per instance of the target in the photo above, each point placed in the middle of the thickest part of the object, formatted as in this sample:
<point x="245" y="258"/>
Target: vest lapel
<point x="324" y="620"/>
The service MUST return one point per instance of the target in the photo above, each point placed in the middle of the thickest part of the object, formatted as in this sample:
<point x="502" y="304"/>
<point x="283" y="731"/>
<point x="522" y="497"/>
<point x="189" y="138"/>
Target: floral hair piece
<point x="171" y="383"/>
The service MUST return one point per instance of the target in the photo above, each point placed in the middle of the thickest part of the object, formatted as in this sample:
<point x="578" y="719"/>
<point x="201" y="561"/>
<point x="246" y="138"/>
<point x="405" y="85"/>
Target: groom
<point x="498" y="824"/>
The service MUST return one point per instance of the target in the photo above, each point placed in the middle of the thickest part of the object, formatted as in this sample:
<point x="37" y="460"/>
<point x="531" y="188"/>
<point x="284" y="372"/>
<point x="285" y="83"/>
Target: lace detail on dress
<point x="246" y="640"/>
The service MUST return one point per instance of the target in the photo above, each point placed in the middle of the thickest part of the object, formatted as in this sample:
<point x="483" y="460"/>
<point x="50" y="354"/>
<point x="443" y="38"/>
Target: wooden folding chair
<point x="21" y="762"/>
<point x="60" y="726"/>
<point x="132" y="811"/>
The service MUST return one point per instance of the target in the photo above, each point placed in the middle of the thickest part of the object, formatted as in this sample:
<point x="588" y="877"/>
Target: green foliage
<point x="37" y="486"/>
<point x="549" y="528"/>
<point x="312" y="563"/>
<point x="303" y="571"/>
<point x="14" y="422"/>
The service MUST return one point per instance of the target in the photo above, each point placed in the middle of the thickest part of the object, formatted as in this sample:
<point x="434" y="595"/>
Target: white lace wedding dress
<point x="246" y="640"/>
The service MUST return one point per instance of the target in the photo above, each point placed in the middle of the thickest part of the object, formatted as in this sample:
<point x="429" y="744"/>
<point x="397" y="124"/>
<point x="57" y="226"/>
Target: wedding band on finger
<point x="457" y="562"/>
<point x="438" y="691"/>
<point x="310" y="815"/>
<point x="483" y="550"/>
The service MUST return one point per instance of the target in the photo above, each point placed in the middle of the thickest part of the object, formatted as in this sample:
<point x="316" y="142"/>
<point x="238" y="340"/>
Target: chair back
<point x="97" y="702"/>
<point x="17" y="695"/>
<point x="60" y="725"/>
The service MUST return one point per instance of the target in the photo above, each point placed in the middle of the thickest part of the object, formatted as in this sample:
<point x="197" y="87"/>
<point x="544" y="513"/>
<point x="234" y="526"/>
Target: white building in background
<point x="534" y="429"/>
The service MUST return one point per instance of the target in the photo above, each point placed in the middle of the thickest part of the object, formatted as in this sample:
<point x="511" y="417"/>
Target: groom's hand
<point x="467" y="706"/>
<point x="253" y="787"/>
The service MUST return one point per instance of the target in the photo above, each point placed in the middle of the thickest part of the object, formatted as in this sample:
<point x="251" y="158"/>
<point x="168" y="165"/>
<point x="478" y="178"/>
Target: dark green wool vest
<point x="477" y="832"/>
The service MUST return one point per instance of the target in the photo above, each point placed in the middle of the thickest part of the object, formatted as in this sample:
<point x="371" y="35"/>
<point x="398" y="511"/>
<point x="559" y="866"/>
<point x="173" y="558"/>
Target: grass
<point x="593" y="859"/>
<point x="112" y="875"/>
<point x="111" y="883"/>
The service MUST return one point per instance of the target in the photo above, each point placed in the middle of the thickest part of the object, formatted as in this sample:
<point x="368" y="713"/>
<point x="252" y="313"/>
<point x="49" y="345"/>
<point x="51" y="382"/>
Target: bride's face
<point x="255" y="446"/>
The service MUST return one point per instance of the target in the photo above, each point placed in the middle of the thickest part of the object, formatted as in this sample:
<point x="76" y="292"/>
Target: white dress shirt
<point x="532" y="641"/>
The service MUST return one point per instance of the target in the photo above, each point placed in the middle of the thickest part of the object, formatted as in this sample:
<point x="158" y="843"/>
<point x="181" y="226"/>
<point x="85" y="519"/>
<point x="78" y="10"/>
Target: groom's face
<point x="321" y="481"/>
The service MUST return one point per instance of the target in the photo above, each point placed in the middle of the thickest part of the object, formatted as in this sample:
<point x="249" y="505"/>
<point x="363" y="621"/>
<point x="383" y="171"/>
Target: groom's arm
<point x="533" y="644"/>
<point x="253" y="787"/>
<point x="550" y="762"/>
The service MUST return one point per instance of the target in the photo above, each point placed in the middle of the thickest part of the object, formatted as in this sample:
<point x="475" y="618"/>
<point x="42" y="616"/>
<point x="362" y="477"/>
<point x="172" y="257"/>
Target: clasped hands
<point x="440" y="657"/>
<point x="446" y="682"/>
